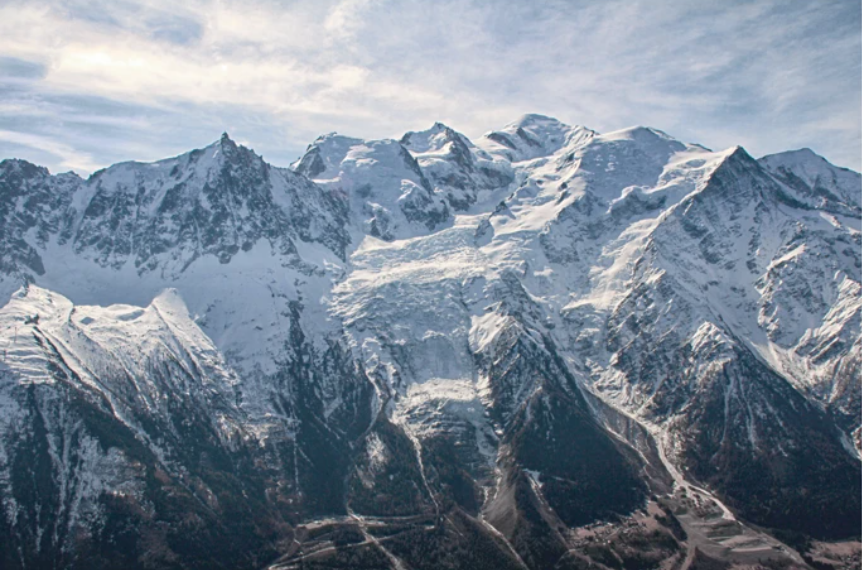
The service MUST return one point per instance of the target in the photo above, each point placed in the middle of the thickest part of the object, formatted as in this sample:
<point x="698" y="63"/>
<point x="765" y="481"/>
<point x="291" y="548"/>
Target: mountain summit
<point x="548" y="348"/>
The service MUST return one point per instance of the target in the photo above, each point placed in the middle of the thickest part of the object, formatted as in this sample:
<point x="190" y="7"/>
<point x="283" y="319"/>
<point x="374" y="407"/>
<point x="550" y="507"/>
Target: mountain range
<point x="549" y="348"/>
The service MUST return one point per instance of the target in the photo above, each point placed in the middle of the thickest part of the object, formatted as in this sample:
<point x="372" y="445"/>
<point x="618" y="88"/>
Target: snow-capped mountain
<point x="388" y="193"/>
<point x="455" y="166"/>
<point x="550" y="348"/>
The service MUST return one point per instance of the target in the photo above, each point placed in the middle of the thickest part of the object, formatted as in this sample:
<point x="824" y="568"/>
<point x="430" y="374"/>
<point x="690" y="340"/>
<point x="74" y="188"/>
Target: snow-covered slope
<point x="532" y="136"/>
<point x="432" y="342"/>
<point x="96" y="402"/>
<point x="389" y="195"/>
<point x="456" y="168"/>
<point x="816" y="183"/>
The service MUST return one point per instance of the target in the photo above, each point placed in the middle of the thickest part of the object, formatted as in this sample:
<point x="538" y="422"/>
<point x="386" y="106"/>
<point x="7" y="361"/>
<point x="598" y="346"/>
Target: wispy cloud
<point x="67" y="157"/>
<point x="346" y="17"/>
<point x="104" y="81"/>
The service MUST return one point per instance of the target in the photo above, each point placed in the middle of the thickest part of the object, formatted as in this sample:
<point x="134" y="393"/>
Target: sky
<point x="87" y="83"/>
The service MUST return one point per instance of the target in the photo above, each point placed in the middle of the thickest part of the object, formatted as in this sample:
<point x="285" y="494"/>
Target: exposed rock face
<point x="33" y="208"/>
<point x="458" y="169"/>
<point x="215" y="201"/>
<point x="553" y="348"/>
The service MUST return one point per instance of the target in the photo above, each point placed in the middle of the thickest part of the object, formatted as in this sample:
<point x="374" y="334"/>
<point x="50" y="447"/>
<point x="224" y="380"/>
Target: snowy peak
<point x="804" y="161"/>
<point x="814" y="182"/>
<point x="438" y="139"/>
<point x="128" y="336"/>
<point x="226" y="140"/>
<point x="329" y="156"/>
<point x="207" y="170"/>
<point x="532" y="136"/>
<point x="22" y="168"/>
<point x="442" y="143"/>
<point x="620" y="168"/>
<point x="645" y="136"/>
<point x="630" y="148"/>
<point x="324" y="155"/>
<point x="389" y="195"/>
<point x="458" y="169"/>
<point x="540" y="127"/>
<point x="218" y="200"/>
<point x="202" y="162"/>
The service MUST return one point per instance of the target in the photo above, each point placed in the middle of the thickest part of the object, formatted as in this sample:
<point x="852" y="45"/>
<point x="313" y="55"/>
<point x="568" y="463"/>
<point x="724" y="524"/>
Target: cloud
<point x="346" y="17"/>
<point x="67" y="156"/>
<point x="768" y="74"/>
<point x="12" y="69"/>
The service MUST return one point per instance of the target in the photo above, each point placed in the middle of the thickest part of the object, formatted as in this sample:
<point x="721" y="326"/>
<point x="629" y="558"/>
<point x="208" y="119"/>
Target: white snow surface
<point x="385" y="188"/>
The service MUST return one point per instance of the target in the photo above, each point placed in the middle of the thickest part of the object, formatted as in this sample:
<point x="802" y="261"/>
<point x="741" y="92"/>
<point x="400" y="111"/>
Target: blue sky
<point x="86" y="83"/>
